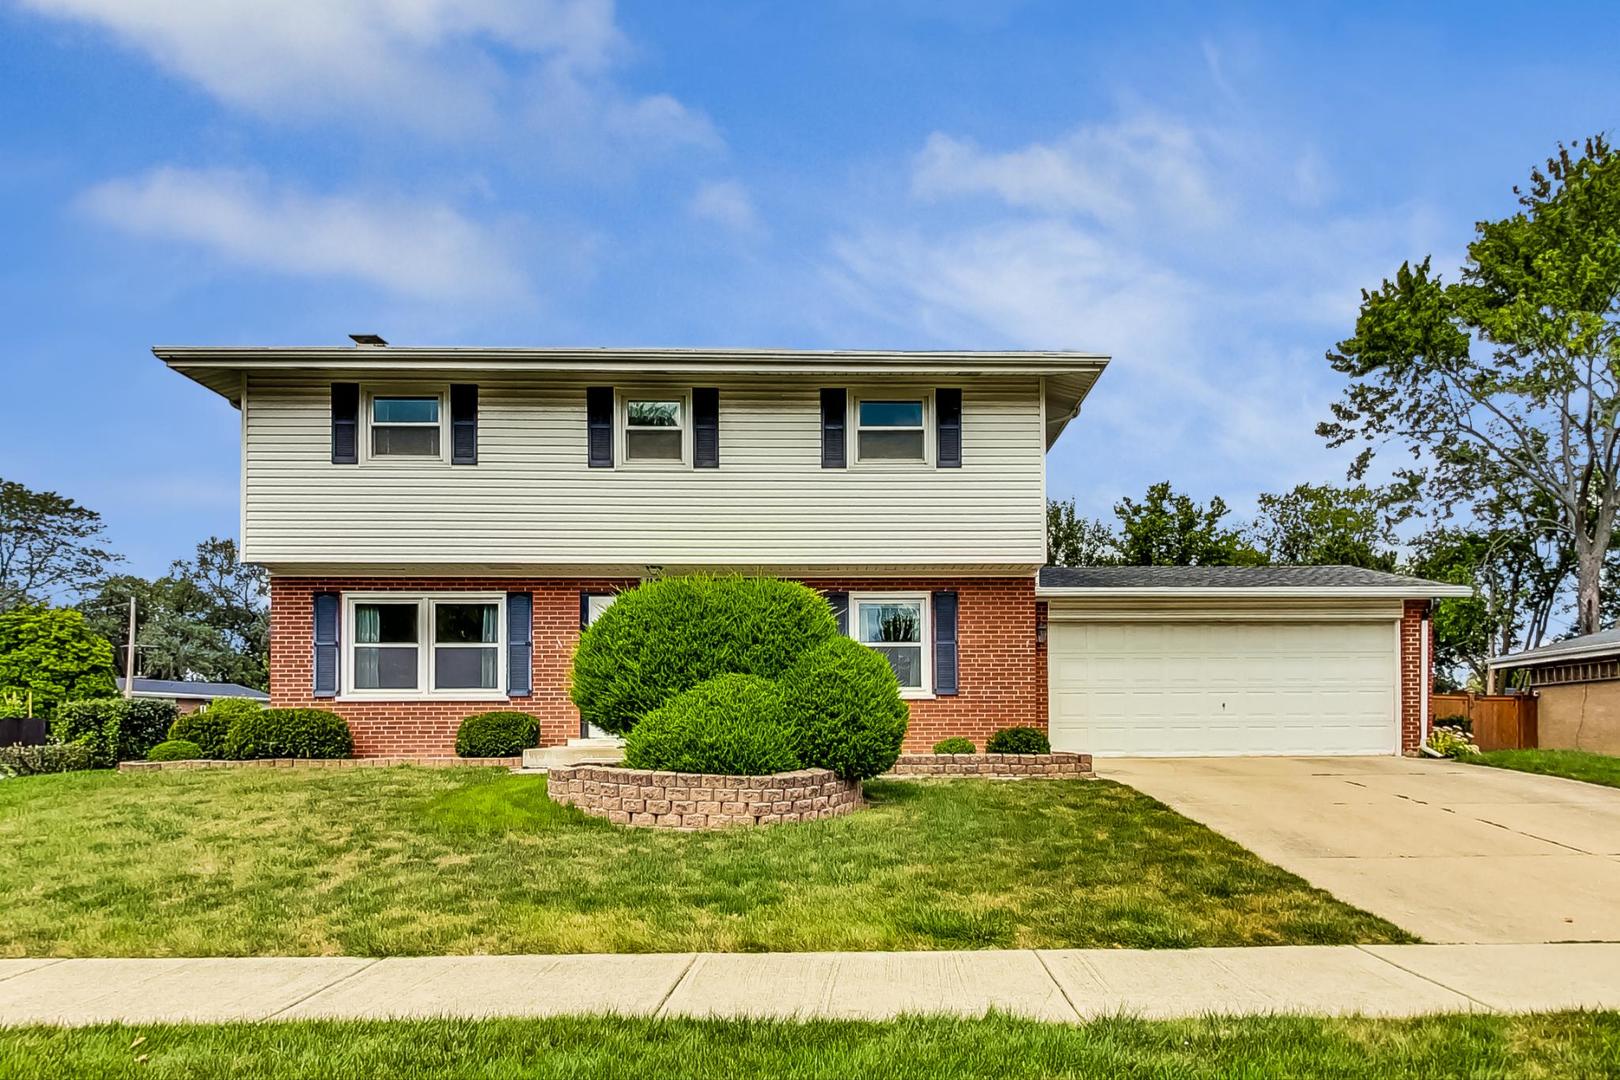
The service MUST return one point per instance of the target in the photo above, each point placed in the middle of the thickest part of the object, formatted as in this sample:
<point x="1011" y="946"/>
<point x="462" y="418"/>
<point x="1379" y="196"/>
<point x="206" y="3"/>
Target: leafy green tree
<point x="1323" y="525"/>
<point x="1511" y="375"/>
<point x="51" y="652"/>
<point x="1170" y="529"/>
<point x="50" y="546"/>
<point x="1072" y="540"/>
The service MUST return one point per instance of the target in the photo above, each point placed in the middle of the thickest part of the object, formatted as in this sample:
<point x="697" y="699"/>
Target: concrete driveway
<point x="1451" y="853"/>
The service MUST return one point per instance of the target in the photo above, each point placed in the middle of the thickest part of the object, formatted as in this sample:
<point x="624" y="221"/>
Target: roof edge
<point x="1418" y="590"/>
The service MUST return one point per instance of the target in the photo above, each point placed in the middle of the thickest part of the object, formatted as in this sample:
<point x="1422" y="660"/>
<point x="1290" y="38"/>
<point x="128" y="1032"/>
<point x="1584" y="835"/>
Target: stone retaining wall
<point x="429" y="761"/>
<point x="1057" y="765"/>
<point x="672" y="800"/>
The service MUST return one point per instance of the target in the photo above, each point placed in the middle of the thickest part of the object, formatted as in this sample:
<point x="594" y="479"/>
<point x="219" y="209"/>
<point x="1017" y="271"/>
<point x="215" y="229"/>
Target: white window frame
<point x="856" y="599"/>
<point x="368" y="397"/>
<point x="425" y="689"/>
<point x="621" y="424"/>
<point x="853" y="424"/>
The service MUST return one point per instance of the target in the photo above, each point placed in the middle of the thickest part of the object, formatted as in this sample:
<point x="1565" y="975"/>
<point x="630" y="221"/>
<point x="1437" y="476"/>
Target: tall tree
<point x="49" y="546"/>
<point x="1170" y="529"/>
<point x="1072" y="540"/>
<point x="1324" y="525"/>
<point x="1510" y="375"/>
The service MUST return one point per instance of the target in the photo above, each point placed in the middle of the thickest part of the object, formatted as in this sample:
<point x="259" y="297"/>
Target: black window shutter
<point x="345" y="423"/>
<point x="463" y="424"/>
<point x="599" y="426"/>
<point x="839" y="602"/>
<point x="948" y="426"/>
<point x="945" y="650"/>
<point x="584" y="610"/>
<point x="519" y="644"/>
<point x="705" y="427"/>
<point x="834" y="406"/>
<point x="326" y="644"/>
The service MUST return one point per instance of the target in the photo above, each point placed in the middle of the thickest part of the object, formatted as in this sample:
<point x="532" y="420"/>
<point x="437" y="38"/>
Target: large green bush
<point x="174" y="750"/>
<point x="113" y="729"/>
<point x="667" y="636"/>
<point x="1018" y="740"/>
<point x="497" y="734"/>
<point x="208" y="727"/>
<point x="731" y="725"/>
<point x="844" y="706"/>
<point x="50" y="758"/>
<point x="288" y="733"/>
<point x="52" y="652"/>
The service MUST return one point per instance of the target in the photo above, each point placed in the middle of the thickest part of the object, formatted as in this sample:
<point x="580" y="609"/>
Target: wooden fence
<point x="1501" y="721"/>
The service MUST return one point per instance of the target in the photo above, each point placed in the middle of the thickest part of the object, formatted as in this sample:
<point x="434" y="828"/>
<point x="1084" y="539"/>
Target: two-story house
<point x="439" y="523"/>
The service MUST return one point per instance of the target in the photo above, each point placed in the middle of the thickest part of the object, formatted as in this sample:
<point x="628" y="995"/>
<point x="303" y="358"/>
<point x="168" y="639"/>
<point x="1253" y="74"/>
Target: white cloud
<point x="449" y="67"/>
<point x="422" y="250"/>
<point x="728" y="204"/>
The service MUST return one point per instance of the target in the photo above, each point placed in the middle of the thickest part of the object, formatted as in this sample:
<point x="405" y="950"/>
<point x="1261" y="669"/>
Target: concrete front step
<point x="606" y="751"/>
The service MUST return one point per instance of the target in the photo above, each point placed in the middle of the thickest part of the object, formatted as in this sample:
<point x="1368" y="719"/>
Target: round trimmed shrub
<point x="666" y="636"/>
<point x="497" y="734"/>
<point x="956" y="744"/>
<point x="730" y="725"/>
<point x="1018" y="740"/>
<point x="175" y="750"/>
<point x="843" y="703"/>
<point x="207" y="727"/>
<point x="288" y="733"/>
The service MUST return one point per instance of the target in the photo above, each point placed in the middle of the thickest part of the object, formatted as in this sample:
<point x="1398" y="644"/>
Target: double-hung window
<point x="896" y="625"/>
<point x="415" y="646"/>
<point x="406" y="426"/>
<point x="893" y="429"/>
<point x="655" y="428"/>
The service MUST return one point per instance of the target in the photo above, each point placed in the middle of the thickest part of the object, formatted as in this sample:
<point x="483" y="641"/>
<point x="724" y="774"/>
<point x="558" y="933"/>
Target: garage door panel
<point x="1195" y="688"/>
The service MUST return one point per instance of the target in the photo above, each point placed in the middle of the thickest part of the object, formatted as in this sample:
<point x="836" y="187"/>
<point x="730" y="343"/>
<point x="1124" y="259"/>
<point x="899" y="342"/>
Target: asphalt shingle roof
<point x="1602" y="643"/>
<point x="188" y="688"/>
<point x="1221" y="577"/>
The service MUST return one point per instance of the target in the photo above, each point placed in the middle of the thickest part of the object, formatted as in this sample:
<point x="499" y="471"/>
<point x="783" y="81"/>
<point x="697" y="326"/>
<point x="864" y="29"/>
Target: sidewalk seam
<point x="29" y="971"/>
<point x="367" y="966"/>
<point x="1427" y="978"/>
<point x="1061" y="992"/>
<point x="658" y="1010"/>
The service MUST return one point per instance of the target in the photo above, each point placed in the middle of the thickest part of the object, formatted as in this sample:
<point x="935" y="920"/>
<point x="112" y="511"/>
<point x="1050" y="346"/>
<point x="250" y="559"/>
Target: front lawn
<point x="1570" y="764"/>
<point x="392" y="861"/>
<point x="1475" y="1045"/>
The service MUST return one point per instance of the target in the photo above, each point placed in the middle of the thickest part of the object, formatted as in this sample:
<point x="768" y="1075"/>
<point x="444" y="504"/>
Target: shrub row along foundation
<point x="1058" y="764"/>
<point x="699" y="800"/>
<point x="318" y="763"/>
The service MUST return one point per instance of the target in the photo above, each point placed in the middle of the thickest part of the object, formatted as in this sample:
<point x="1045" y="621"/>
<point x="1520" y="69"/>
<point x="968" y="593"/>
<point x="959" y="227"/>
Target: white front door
<point x="1170" y="688"/>
<point x="595" y="604"/>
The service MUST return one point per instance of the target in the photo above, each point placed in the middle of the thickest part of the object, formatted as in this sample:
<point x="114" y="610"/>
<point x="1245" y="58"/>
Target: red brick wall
<point x="1415" y="682"/>
<point x="1002" y="680"/>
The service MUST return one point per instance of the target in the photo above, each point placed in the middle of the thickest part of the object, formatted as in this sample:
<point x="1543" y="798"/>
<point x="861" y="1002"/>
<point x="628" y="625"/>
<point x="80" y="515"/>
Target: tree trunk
<point x="1588" y="598"/>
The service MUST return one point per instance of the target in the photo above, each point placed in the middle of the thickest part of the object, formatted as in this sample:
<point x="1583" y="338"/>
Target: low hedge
<point x="497" y="734"/>
<point x="731" y="724"/>
<point x="50" y="758"/>
<point x="956" y="744"/>
<point x="1018" y="740"/>
<point x="288" y="733"/>
<point x="113" y="729"/>
<point x="208" y="727"/>
<point x="844" y="706"/>
<point x="175" y="750"/>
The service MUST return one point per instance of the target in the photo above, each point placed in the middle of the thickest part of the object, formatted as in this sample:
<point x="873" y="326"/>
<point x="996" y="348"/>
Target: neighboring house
<point x="439" y="523"/>
<point x="191" y="695"/>
<point x="1577" y="688"/>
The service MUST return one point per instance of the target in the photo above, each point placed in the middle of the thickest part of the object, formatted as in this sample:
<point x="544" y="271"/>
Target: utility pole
<point x="129" y="654"/>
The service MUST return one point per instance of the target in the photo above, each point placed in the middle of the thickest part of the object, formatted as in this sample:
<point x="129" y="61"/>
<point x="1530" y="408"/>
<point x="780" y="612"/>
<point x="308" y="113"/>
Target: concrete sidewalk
<point x="1048" y="984"/>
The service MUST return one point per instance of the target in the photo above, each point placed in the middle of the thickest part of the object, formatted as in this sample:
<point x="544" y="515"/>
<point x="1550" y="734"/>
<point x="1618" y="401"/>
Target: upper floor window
<point x="405" y="426"/>
<point x="891" y="430"/>
<point x="655" y="429"/>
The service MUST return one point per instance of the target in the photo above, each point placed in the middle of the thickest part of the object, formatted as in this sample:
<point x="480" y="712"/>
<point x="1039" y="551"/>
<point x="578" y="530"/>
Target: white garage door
<point x="1206" y="688"/>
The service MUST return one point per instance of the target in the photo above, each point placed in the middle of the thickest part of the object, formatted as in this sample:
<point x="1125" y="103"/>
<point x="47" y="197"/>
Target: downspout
<point x="1426" y="683"/>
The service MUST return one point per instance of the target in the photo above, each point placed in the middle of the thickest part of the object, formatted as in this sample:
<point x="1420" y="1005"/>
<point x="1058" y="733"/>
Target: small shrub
<point x="113" y="729"/>
<point x="730" y="725"/>
<point x="666" y="636"/>
<point x="143" y="724"/>
<point x="956" y="744"/>
<point x="844" y="706"/>
<point x="288" y="733"/>
<point x="208" y="727"/>
<point x="175" y="750"/>
<point x="1018" y="740"/>
<point x="50" y="758"/>
<point x="1457" y="723"/>
<point x="1451" y="742"/>
<point x="497" y="734"/>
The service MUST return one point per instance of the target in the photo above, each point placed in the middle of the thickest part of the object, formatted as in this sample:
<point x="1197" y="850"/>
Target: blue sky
<point x="1199" y="190"/>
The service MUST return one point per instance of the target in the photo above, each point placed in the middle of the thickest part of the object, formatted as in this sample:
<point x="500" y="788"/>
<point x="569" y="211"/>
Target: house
<point x="1577" y="688"/>
<point x="439" y="523"/>
<point x="190" y="694"/>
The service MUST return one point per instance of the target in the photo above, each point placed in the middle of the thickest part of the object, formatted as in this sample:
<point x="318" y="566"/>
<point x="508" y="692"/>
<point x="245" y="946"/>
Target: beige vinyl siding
<point x="532" y="501"/>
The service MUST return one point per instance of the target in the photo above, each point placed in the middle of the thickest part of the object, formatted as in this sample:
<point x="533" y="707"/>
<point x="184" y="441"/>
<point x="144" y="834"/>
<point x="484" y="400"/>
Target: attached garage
<point x="1209" y="661"/>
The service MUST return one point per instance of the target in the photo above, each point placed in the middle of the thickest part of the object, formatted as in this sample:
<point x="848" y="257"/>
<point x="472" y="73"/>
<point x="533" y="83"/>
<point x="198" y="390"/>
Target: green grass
<point x="1571" y="764"/>
<point x="1562" y="1045"/>
<point x="393" y="861"/>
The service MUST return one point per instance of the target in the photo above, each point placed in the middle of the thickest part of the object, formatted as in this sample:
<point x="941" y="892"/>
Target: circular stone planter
<point x="671" y="800"/>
